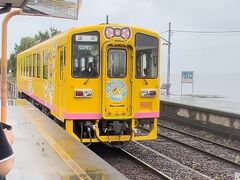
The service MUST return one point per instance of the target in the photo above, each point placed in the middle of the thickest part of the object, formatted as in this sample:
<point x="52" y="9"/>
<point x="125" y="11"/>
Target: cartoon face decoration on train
<point x="116" y="90"/>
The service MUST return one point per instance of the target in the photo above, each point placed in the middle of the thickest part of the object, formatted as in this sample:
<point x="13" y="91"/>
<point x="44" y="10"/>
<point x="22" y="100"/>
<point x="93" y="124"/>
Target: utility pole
<point x="168" y="64"/>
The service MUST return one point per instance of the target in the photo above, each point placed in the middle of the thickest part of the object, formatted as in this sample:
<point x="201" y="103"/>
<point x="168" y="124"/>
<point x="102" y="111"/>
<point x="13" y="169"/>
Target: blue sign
<point x="187" y="76"/>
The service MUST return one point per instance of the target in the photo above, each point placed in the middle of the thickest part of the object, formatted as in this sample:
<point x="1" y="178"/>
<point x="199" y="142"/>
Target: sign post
<point x="187" y="77"/>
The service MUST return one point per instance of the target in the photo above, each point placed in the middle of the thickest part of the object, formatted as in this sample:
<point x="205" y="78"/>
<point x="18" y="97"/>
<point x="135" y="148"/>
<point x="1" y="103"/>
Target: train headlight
<point x="82" y="93"/>
<point x="148" y="92"/>
<point x="144" y="93"/>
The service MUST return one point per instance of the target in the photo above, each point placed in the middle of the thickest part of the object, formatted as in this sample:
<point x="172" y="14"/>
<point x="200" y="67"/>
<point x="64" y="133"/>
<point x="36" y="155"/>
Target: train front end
<point x="114" y="86"/>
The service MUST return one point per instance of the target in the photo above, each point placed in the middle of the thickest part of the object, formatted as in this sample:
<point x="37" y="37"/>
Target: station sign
<point x="187" y="76"/>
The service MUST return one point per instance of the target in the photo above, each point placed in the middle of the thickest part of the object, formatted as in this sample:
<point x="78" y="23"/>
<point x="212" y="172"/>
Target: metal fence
<point x="11" y="90"/>
<point x="11" y="93"/>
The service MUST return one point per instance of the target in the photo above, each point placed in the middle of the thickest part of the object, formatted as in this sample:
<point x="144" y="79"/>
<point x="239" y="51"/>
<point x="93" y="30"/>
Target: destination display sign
<point x="86" y="38"/>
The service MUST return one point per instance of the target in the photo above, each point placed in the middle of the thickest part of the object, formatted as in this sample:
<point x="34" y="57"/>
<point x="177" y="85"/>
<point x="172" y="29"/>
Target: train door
<point x="117" y="88"/>
<point x="60" y="65"/>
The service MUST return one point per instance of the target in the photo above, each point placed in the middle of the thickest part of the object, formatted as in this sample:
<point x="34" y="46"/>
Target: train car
<point x="100" y="81"/>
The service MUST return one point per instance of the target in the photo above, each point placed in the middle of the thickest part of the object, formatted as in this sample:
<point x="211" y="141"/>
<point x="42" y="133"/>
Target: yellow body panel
<point x="56" y="91"/>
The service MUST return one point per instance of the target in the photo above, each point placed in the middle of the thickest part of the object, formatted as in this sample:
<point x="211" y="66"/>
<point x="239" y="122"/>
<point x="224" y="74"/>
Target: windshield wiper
<point x="90" y="75"/>
<point x="145" y="81"/>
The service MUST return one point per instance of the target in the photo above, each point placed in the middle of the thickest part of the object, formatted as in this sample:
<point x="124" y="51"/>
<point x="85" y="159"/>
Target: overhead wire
<point x="202" y="32"/>
<point x="206" y="32"/>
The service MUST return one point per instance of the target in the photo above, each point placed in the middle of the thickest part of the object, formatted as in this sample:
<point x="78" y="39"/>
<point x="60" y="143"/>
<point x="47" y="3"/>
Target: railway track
<point x="201" y="138"/>
<point x="128" y="164"/>
<point x="137" y="161"/>
<point x="160" y="174"/>
<point x="199" y="174"/>
<point x="198" y="143"/>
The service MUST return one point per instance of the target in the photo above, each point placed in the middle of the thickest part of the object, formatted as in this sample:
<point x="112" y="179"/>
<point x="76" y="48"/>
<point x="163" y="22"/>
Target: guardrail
<point x="11" y="90"/>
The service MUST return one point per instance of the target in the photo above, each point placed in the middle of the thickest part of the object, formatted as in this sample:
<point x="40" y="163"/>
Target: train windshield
<point x="85" y="55"/>
<point x="146" y="56"/>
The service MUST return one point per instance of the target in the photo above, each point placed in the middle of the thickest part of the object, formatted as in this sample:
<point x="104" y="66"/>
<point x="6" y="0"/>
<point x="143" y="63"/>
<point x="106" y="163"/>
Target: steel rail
<point x="201" y="138"/>
<point x="172" y="160"/>
<point x="161" y="175"/>
<point x="200" y="150"/>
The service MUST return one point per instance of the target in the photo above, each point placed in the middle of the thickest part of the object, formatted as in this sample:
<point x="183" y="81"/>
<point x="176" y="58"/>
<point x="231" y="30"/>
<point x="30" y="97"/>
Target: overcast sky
<point x="212" y="53"/>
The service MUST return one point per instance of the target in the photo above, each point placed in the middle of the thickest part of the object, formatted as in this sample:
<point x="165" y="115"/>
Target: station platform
<point x="43" y="150"/>
<point x="223" y="115"/>
<point x="217" y="104"/>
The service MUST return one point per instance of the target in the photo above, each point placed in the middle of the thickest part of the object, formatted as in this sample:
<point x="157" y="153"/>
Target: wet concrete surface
<point x="43" y="150"/>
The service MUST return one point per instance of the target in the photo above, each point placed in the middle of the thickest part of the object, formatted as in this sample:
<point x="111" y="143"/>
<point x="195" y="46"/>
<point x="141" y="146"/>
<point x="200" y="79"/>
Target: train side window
<point x="24" y="66"/>
<point x="38" y="64"/>
<point x="45" y="64"/>
<point x="21" y="66"/>
<point x="27" y="66"/>
<point x="30" y="66"/>
<point x="64" y="55"/>
<point x="146" y="56"/>
<point x="34" y="65"/>
<point x="61" y="64"/>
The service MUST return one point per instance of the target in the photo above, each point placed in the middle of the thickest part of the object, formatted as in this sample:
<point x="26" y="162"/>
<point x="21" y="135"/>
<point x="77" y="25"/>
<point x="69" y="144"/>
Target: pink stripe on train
<point x="141" y="115"/>
<point x="81" y="115"/>
<point x="98" y="115"/>
<point x="51" y="107"/>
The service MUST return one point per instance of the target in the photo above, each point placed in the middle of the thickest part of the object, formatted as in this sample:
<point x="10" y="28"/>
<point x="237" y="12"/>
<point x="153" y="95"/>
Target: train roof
<point x="96" y="26"/>
<point x="103" y="25"/>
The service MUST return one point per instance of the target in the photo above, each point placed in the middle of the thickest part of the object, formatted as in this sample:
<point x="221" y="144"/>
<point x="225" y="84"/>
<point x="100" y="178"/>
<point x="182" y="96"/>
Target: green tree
<point x="27" y="42"/>
<point x="53" y="31"/>
<point x="41" y="36"/>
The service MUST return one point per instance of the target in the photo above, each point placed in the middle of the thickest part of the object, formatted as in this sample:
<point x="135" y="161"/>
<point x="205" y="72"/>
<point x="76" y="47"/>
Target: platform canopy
<point x="14" y="3"/>
<point x="55" y="8"/>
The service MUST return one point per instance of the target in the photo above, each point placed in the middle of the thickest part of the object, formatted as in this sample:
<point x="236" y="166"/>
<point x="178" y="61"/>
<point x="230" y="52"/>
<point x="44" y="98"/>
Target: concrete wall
<point x="203" y="115"/>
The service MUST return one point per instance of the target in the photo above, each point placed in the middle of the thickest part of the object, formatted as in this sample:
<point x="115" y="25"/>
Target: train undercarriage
<point x="102" y="130"/>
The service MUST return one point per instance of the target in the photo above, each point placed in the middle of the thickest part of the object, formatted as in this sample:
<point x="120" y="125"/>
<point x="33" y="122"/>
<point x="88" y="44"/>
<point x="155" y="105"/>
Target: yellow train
<point x="100" y="81"/>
